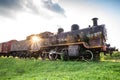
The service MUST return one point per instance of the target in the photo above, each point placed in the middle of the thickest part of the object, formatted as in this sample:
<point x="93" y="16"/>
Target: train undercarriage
<point x="70" y="52"/>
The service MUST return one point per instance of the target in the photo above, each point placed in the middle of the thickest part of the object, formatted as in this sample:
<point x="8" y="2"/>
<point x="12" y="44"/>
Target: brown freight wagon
<point x="5" y="48"/>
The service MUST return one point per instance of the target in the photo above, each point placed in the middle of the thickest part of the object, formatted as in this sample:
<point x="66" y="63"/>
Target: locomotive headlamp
<point x="35" y="39"/>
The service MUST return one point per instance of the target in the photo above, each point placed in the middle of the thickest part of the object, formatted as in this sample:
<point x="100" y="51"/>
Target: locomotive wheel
<point x="88" y="55"/>
<point x="53" y="56"/>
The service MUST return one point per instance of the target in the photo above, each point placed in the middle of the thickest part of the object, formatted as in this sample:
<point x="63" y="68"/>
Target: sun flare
<point x="35" y="39"/>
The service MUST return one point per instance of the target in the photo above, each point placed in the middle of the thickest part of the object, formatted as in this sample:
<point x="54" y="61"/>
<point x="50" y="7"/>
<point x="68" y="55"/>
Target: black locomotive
<point x="78" y="43"/>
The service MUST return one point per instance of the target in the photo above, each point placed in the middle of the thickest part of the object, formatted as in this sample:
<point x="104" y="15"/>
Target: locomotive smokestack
<point x="60" y="30"/>
<point x="95" y="21"/>
<point x="74" y="27"/>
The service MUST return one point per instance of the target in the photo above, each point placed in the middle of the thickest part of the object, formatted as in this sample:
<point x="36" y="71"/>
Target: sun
<point x="35" y="39"/>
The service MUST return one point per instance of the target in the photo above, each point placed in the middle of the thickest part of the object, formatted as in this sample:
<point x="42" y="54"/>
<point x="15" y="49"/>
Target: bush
<point x="115" y="56"/>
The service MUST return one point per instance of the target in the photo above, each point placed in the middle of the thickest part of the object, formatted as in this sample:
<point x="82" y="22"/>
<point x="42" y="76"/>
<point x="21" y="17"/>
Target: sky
<point x="21" y="18"/>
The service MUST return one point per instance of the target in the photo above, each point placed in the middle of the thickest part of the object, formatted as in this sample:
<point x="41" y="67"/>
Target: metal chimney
<point x="74" y="27"/>
<point x="60" y="30"/>
<point x="95" y="21"/>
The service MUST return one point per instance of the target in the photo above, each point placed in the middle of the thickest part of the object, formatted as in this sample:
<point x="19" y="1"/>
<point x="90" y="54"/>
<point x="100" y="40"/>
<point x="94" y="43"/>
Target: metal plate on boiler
<point x="73" y="50"/>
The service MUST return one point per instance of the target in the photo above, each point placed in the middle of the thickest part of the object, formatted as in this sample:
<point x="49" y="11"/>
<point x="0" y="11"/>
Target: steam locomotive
<point x="78" y="43"/>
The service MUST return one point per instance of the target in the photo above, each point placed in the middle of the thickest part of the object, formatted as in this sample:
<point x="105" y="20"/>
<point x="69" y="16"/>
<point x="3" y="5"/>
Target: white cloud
<point x="10" y="7"/>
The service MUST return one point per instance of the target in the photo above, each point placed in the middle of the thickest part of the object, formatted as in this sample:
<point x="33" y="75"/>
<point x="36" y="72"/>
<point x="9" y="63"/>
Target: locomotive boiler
<point x="78" y="43"/>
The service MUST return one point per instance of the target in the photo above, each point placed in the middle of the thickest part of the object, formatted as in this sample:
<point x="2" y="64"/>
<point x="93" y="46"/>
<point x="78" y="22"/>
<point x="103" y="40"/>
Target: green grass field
<point x="31" y="69"/>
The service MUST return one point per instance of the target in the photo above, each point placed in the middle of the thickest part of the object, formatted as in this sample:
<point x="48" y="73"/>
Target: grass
<point x="31" y="69"/>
